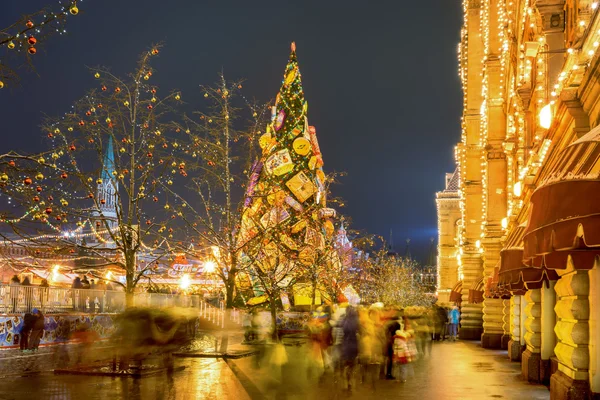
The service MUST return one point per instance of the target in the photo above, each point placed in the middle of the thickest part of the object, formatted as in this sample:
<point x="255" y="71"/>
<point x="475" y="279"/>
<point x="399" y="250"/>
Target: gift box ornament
<point x="299" y="226"/>
<point x="256" y="168"/>
<point x="301" y="186"/>
<point x="327" y="213"/>
<point x="274" y="216"/>
<point x="314" y="238"/>
<point x="288" y="242"/>
<point x="277" y="196"/>
<point x="329" y="228"/>
<point x="290" y="201"/>
<point x="315" y="146"/>
<point x="279" y="120"/>
<point x="279" y="163"/>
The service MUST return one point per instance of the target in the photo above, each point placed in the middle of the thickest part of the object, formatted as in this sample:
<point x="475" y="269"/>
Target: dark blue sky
<point x="380" y="79"/>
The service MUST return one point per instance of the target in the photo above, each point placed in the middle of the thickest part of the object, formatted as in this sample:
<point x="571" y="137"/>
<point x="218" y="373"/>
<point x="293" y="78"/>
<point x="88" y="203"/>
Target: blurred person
<point x="423" y="333"/>
<point x="442" y="316"/>
<point x="28" y="322"/>
<point x="453" y="320"/>
<point x="392" y="326"/>
<point x="350" y="327"/>
<point x="44" y="287"/>
<point x="372" y="346"/>
<point x="37" y="330"/>
<point x="404" y="354"/>
<point x="337" y="338"/>
<point x="85" y="337"/>
<point x="247" y="325"/>
<point x="15" y="284"/>
<point x="319" y="331"/>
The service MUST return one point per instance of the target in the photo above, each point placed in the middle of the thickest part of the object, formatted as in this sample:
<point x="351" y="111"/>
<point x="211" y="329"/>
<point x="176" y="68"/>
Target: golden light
<point x="108" y="275"/>
<point x="185" y="282"/>
<point x="478" y="244"/>
<point x="546" y="116"/>
<point x="504" y="223"/>
<point x="517" y="189"/>
<point x="210" y="266"/>
<point x="55" y="270"/>
<point x="216" y="251"/>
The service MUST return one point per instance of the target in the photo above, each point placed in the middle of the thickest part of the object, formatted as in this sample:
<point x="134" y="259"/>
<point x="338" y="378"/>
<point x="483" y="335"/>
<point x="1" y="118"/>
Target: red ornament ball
<point x="32" y="50"/>
<point x="27" y="181"/>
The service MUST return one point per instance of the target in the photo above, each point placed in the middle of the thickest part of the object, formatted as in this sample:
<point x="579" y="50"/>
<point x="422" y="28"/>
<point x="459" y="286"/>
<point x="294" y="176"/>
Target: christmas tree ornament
<point x="11" y="45"/>
<point x="29" y="24"/>
<point x="301" y="146"/>
<point x="1" y="85"/>
<point x="31" y="40"/>
<point x="97" y="75"/>
<point x="39" y="176"/>
<point x="31" y="50"/>
<point x="27" y="181"/>
<point x="279" y="120"/>
<point x="74" y="10"/>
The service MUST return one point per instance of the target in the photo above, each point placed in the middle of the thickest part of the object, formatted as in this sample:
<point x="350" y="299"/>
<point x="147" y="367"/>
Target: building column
<point x="470" y="313"/>
<point x="514" y="345"/>
<point x="492" y="308"/>
<point x="594" y="345"/>
<point x="571" y="381"/>
<point x="531" y="357"/>
<point x="548" y="335"/>
<point x="506" y="336"/>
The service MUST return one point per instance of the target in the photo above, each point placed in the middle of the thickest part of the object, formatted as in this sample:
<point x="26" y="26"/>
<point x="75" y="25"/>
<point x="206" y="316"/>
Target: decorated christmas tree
<point x="286" y="222"/>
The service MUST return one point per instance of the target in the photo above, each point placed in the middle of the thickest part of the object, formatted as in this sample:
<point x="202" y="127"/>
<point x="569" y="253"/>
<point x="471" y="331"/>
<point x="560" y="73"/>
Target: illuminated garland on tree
<point x="24" y="37"/>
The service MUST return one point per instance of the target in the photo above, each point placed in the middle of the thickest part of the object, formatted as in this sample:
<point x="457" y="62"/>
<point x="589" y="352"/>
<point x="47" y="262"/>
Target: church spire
<point x="108" y="163"/>
<point x="407" y="254"/>
<point x="431" y="260"/>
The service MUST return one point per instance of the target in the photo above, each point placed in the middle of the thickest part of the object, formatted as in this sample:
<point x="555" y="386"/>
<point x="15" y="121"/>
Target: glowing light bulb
<point x="517" y="189"/>
<point x="546" y="116"/>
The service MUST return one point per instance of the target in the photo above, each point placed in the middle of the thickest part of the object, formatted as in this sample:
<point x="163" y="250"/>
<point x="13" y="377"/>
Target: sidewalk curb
<point x="251" y="389"/>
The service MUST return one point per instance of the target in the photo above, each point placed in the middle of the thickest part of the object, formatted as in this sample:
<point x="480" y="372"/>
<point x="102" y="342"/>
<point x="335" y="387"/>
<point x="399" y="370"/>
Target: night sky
<point x="380" y="79"/>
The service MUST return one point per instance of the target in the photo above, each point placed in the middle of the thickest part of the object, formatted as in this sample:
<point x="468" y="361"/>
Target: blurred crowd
<point x="359" y="345"/>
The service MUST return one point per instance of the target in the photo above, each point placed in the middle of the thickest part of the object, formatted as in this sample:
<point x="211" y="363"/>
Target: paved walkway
<point x="460" y="370"/>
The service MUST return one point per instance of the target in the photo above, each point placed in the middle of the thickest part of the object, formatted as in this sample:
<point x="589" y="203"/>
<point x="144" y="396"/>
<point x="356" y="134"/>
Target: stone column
<point x="571" y="381"/>
<point x="548" y="335"/>
<point x="514" y="345"/>
<point x="496" y="169"/>
<point x="470" y="313"/>
<point x="506" y="336"/>
<point x="594" y="346"/>
<point x="530" y="361"/>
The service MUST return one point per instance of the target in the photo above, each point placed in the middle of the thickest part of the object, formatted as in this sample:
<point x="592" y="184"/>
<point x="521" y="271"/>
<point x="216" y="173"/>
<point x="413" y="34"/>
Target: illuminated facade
<point x="449" y="216"/>
<point x="529" y="231"/>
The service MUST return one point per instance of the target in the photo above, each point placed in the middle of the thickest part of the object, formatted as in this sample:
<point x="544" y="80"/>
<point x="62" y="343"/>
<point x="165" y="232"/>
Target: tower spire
<point x="108" y="163"/>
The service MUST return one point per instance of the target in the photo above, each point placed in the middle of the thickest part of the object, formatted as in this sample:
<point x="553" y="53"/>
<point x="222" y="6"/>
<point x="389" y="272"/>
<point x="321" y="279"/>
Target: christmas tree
<point x="286" y="222"/>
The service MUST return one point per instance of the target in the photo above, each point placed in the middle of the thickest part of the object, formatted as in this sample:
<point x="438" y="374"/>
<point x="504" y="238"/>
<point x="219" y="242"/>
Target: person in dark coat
<point x="350" y="327"/>
<point x="37" y="330"/>
<point x="28" y="322"/>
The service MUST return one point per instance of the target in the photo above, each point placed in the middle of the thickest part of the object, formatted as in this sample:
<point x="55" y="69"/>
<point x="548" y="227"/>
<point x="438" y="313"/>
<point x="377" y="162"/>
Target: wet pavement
<point x="461" y="370"/>
<point x="458" y="370"/>
<point x="202" y="379"/>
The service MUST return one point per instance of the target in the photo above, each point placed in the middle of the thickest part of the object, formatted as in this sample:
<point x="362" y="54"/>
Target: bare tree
<point x="20" y="41"/>
<point x="111" y="157"/>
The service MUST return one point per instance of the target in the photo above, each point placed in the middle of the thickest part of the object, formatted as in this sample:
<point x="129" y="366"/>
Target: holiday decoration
<point x="281" y="233"/>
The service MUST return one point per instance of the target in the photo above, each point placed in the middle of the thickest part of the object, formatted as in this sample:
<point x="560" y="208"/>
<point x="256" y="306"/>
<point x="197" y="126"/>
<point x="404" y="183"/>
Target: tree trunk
<point x="230" y="291"/>
<point x="314" y="294"/>
<point x="275" y="334"/>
